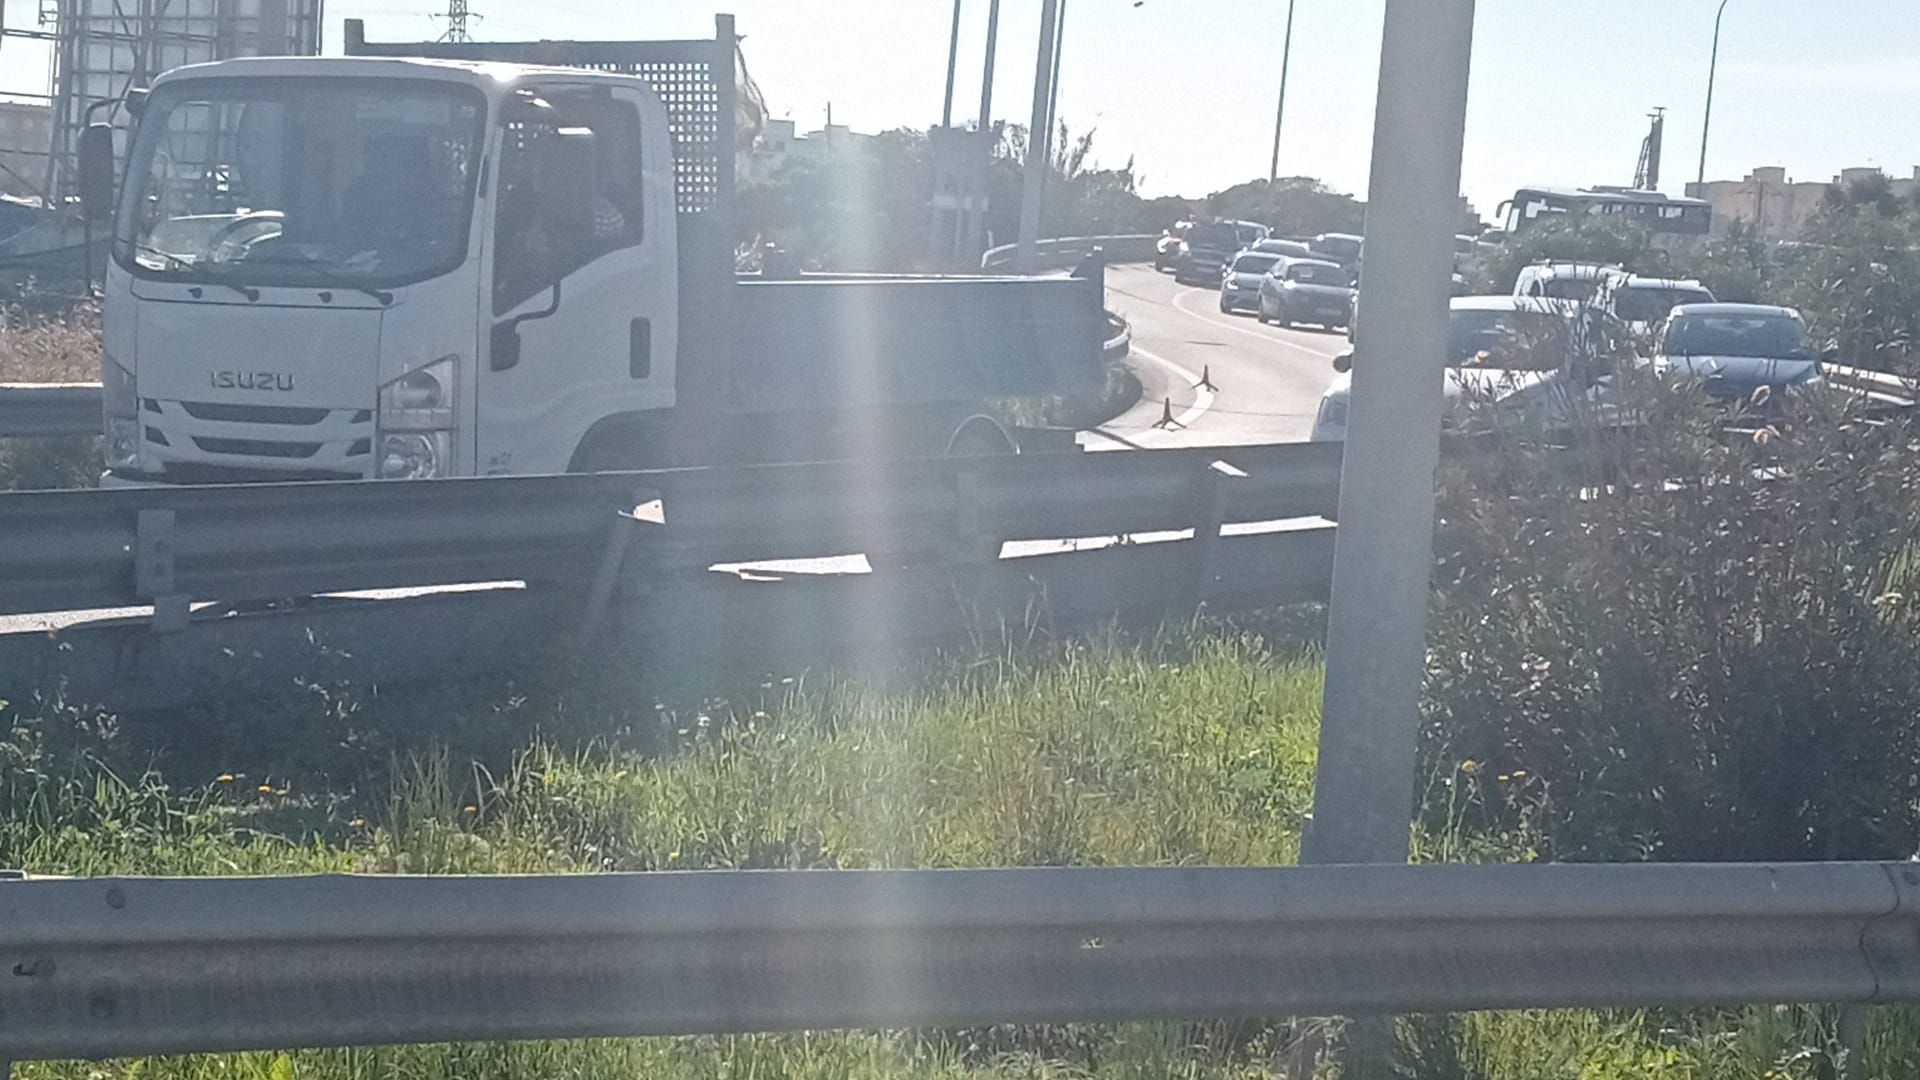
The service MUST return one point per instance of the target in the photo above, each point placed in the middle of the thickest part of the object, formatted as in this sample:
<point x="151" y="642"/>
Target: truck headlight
<point x="416" y="422"/>
<point x="420" y="400"/>
<point x="412" y="455"/>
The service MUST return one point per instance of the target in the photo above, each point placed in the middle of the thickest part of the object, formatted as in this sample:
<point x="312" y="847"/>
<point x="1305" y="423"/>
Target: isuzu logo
<point x="252" y="380"/>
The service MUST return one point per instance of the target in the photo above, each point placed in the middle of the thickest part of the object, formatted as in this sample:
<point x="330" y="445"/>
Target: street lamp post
<point x="953" y="64"/>
<point x="1706" y="122"/>
<point x="1280" y="113"/>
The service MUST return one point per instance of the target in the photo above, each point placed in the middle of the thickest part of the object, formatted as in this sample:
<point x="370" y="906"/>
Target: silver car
<point x="1306" y="291"/>
<point x="1240" y="284"/>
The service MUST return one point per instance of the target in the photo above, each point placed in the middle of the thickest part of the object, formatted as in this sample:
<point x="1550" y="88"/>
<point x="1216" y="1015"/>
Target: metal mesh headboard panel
<point x="693" y="78"/>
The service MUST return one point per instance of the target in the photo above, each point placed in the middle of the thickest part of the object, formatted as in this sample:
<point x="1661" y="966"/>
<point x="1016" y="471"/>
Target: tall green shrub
<point x="1707" y="649"/>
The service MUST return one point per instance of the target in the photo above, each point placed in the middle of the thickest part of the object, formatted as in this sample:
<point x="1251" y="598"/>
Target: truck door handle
<point x="640" y="348"/>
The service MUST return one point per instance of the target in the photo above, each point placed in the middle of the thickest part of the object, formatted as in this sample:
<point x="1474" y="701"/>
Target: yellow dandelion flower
<point x="265" y="789"/>
<point x="1518" y="773"/>
<point x="470" y="809"/>
<point x="1469" y="765"/>
<point x="224" y="778"/>
<point x="1503" y="778"/>
<point x="357" y="823"/>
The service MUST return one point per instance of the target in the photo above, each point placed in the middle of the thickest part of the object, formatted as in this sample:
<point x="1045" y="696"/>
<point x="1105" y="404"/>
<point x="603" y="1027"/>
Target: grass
<point x="50" y="348"/>
<point x="1192" y="748"/>
<point x="63" y="346"/>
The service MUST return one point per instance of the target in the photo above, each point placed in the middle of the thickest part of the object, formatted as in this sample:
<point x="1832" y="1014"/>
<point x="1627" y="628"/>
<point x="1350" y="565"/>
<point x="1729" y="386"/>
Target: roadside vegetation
<point x="1699" y="640"/>
<point x="1642" y="648"/>
<point x="42" y="346"/>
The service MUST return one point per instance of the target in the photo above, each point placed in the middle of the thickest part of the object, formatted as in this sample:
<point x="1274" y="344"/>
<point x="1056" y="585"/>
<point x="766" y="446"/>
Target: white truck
<point x="413" y="267"/>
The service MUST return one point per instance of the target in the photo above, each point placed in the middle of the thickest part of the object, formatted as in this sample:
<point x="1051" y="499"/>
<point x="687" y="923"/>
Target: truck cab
<point x="341" y="268"/>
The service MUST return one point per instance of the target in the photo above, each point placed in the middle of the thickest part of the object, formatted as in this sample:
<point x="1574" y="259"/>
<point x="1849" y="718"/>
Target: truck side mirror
<point x="96" y="171"/>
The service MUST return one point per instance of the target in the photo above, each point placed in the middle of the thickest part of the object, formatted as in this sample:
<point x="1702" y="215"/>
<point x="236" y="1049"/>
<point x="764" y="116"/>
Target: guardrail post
<point x="971" y="543"/>
<point x="626" y="520"/>
<point x="153" y="570"/>
<point x="1213" y="496"/>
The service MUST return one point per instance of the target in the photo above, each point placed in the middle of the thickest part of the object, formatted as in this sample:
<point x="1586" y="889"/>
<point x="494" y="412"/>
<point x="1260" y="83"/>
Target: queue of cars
<point x="1548" y="357"/>
<point x="1544" y="350"/>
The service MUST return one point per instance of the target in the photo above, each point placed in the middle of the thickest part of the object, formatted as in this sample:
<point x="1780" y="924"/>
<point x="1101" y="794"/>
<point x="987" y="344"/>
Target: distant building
<point x="1776" y="207"/>
<point x="780" y="143"/>
<point x="26" y="136"/>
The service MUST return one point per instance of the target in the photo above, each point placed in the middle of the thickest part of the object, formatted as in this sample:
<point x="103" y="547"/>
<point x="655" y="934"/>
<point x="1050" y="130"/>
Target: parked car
<point x="1341" y="248"/>
<point x="1249" y="233"/>
<point x="1576" y="281"/>
<point x="1642" y="302"/>
<point x="1240" y="283"/>
<point x="1735" y="349"/>
<point x="1204" y="254"/>
<point x="1524" y="353"/>
<point x="1292" y="249"/>
<point x="1306" y="290"/>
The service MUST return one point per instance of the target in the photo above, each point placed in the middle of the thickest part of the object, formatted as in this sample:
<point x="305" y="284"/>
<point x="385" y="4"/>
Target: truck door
<point x="580" y="310"/>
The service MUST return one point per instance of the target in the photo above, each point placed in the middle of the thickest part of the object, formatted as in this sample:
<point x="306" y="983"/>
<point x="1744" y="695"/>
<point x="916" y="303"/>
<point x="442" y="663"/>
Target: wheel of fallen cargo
<point x="980" y="435"/>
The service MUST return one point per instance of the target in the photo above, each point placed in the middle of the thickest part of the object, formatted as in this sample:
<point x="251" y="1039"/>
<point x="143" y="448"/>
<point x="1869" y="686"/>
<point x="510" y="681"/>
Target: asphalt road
<point x="1266" y="381"/>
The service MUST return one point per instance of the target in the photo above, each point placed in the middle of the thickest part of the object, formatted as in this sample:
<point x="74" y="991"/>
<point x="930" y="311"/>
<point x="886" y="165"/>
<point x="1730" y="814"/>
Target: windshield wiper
<point x="200" y="273"/>
<point x="331" y="277"/>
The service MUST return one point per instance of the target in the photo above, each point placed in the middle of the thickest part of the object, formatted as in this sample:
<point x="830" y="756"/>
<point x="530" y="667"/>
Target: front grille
<point x="257" y="447"/>
<point x="252" y="414"/>
<point x="191" y="473"/>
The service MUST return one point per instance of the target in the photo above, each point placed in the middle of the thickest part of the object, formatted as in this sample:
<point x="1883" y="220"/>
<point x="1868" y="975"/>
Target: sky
<point x="1560" y="89"/>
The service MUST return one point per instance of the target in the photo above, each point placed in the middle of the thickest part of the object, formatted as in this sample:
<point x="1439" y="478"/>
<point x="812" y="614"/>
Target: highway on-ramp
<point x="1225" y="379"/>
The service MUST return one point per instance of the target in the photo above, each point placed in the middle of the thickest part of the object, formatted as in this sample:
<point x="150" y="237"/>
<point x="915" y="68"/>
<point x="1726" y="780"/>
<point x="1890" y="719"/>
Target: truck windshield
<point x="302" y="181"/>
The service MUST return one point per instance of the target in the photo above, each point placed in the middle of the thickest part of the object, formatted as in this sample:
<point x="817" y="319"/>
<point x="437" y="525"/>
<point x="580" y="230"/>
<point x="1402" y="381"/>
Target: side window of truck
<point x="534" y="245"/>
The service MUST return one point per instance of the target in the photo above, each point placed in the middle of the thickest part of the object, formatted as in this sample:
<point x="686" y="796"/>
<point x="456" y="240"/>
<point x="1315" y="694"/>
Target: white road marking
<point x="1225" y="324"/>
<point x="1147" y="439"/>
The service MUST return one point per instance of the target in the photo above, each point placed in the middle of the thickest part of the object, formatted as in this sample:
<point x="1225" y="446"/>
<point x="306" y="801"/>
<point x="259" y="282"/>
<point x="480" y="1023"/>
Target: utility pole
<point x="986" y="79"/>
<point x="1280" y="112"/>
<point x="1383" y="556"/>
<point x="1706" y="121"/>
<point x="977" y="228"/>
<point x="1053" y="92"/>
<point x="1037" y="141"/>
<point x="953" y="64"/>
<point x="457" y="22"/>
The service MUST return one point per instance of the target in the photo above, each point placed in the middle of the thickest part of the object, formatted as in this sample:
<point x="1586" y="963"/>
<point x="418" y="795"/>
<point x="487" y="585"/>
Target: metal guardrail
<point x="119" y="967"/>
<point x="636" y="579"/>
<point x="116" y="548"/>
<point x="1063" y="252"/>
<point x="62" y="550"/>
<point x="1121" y="343"/>
<point x="1880" y="386"/>
<point x="44" y="410"/>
